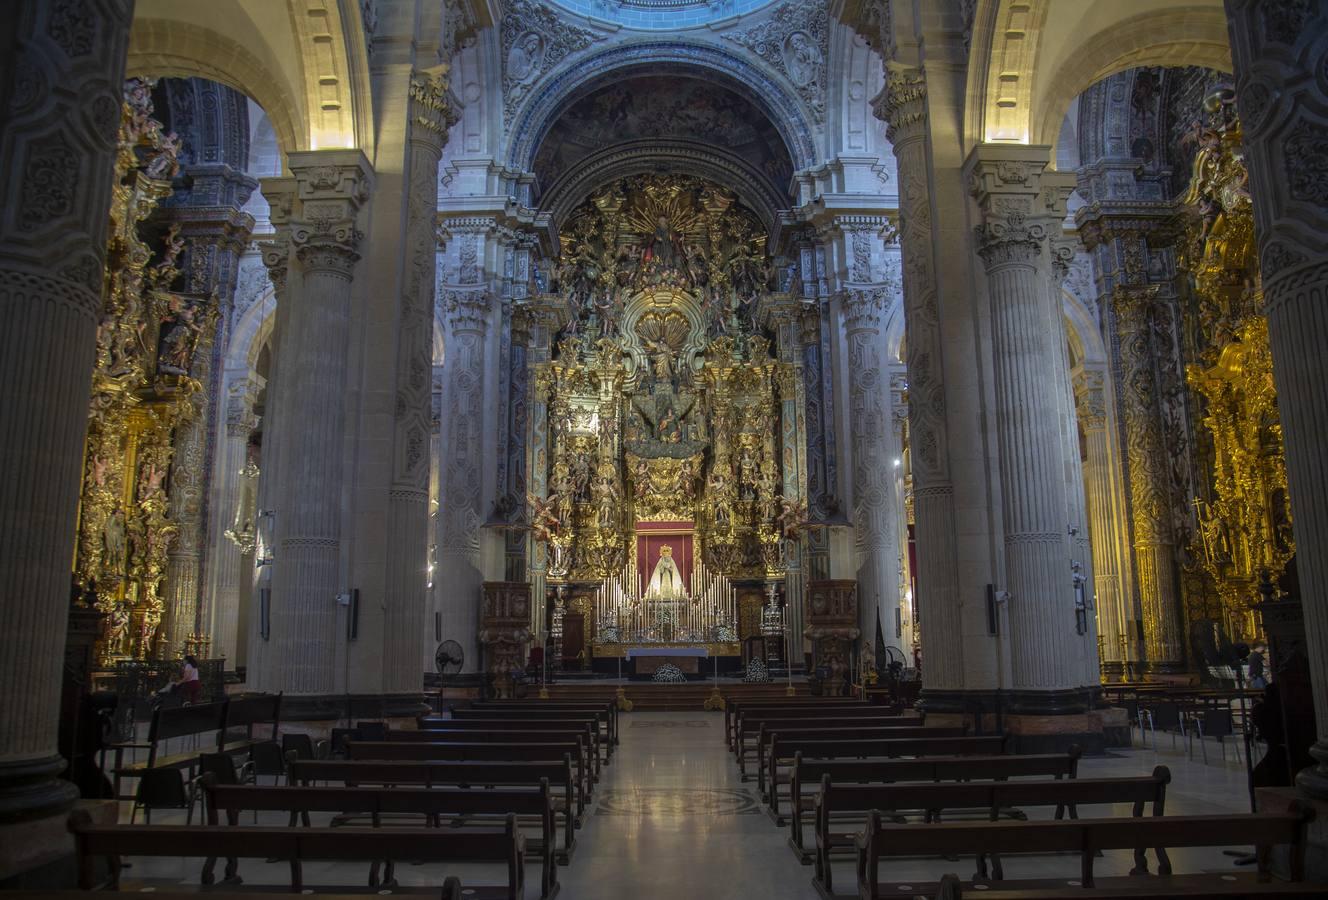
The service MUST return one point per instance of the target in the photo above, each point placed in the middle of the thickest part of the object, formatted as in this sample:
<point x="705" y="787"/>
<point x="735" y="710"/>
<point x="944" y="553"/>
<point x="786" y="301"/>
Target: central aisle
<point x="671" y="819"/>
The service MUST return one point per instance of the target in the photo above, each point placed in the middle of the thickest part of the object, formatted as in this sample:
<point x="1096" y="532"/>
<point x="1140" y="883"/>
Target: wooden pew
<point x="451" y="890"/>
<point x="599" y="736"/>
<point x="607" y="710"/>
<point x="301" y="845"/>
<point x="831" y="707"/>
<point x="211" y="723"/>
<point x="534" y="804"/>
<point x="569" y="732"/>
<point x="1087" y="837"/>
<point x="487" y="751"/>
<point x="1239" y="888"/>
<point x="824" y="729"/>
<point x="734" y="707"/>
<point x="782" y="749"/>
<point x="808" y="772"/>
<point x="750" y="723"/>
<point x="851" y="804"/>
<point x="436" y="773"/>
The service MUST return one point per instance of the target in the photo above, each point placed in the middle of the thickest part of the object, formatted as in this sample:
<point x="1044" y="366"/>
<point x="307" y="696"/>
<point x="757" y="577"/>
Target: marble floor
<point x="671" y="819"/>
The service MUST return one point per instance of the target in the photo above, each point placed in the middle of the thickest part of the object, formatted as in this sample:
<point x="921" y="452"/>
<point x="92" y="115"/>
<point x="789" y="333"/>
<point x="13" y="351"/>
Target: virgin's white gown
<point x="666" y="581"/>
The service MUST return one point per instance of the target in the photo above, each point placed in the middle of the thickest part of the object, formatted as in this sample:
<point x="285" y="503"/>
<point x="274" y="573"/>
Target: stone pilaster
<point x="405" y="602"/>
<point x="873" y="472"/>
<point x="1021" y="204"/>
<point x="1154" y="549"/>
<point x="903" y="106"/>
<point x="234" y="490"/>
<point x="1107" y="528"/>
<point x="64" y="74"/>
<point x="1279" y="50"/>
<point x="459" y="574"/>
<point x="307" y="501"/>
<point x="216" y="239"/>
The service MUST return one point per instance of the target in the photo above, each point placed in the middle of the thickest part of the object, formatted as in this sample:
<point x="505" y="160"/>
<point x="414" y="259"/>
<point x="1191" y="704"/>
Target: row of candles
<point x="712" y="602"/>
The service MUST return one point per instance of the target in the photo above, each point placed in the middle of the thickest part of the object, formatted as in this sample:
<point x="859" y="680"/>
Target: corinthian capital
<point x="902" y="104"/>
<point x="466" y="310"/>
<point x="432" y="106"/>
<point x="1022" y="203"/>
<point x="863" y="308"/>
<point x="326" y="245"/>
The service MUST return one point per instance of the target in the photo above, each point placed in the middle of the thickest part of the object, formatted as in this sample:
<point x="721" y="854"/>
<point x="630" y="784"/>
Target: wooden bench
<point x="209" y="721"/>
<point x="480" y="751"/>
<point x="808" y="773"/>
<point x="782" y="749"/>
<point x="751" y="723"/>
<point x="569" y="732"/>
<point x="606" y="712"/>
<point x="560" y="773"/>
<point x="300" y="845"/>
<point x="599" y="736"/>
<point x="1242" y="887"/>
<point x="850" y="805"/>
<point x="536" y="805"/>
<point x="1086" y="837"/>
<point x="733" y="713"/>
<point x="881" y="729"/>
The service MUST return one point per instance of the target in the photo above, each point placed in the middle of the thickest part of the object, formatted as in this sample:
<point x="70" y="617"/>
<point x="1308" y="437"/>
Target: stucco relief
<point x="795" y="40"/>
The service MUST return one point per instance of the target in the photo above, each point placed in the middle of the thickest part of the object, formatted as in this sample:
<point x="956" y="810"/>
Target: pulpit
<point x="832" y="627"/>
<point x="505" y="631"/>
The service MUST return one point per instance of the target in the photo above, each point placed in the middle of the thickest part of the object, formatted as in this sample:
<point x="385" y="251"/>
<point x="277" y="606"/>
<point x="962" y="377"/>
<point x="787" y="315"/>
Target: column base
<point x="1037" y="721"/>
<point x="29" y="789"/>
<point x="1313" y="782"/>
<point x="38" y="854"/>
<point x="1279" y="799"/>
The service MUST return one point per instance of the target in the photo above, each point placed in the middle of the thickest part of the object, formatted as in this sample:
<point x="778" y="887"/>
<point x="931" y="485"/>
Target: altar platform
<point x="649" y="696"/>
<point x="700" y="660"/>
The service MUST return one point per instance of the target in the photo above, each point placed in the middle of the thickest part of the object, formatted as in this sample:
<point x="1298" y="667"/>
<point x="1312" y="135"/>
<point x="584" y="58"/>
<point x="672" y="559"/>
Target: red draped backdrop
<point x="650" y="536"/>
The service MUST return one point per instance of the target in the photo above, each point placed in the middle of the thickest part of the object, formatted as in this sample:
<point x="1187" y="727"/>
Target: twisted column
<point x="1154" y="543"/>
<point x="1020" y="204"/>
<point x="1279" y="50"/>
<point x="307" y="548"/>
<point x="58" y="133"/>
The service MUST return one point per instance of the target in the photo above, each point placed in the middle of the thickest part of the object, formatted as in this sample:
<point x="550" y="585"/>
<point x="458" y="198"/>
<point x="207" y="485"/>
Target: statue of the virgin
<point x="666" y="580"/>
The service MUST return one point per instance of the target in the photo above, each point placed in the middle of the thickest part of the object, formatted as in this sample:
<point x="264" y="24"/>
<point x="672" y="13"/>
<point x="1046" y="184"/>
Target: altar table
<point x="646" y="660"/>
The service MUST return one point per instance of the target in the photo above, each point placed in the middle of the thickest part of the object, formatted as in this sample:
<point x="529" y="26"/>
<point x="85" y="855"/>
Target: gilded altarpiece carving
<point x="1244" y="519"/>
<point x="661" y="422"/>
<point x="141" y="393"/>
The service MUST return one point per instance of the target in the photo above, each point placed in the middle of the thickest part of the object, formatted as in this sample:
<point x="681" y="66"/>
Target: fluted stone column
<point x="1279" y="50"/>
<point x="873" y="474"/>
<point x="903" y="107"/>
<point x="460" y="579"/>
<point x="1021" y="204"/>
<point x="1106" y="522"/>
<point x="307" y="577"/>
<point x="58" y="135"/>
<point x="1154" y="543"/>
<point x="229" y="576"/>
<point x="405" y="600"/>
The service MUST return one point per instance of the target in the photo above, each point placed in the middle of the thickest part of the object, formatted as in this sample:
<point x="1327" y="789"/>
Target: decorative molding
<point x="535" y="40"/>
<point x="795" y="41"/>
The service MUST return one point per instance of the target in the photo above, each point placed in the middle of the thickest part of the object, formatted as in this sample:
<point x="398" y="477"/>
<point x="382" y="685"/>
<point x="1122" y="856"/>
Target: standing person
<point x="190" y="685"/>
<point x="1258" y="673"/>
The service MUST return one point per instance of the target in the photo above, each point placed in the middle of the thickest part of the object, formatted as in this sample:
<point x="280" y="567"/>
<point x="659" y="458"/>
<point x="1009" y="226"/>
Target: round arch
<point x="637" y="157"/>
<point x="1179" y="36"/>
<point x="172" y="48"/>
<point x="1082" y="332"/>
<point x="542" y="109"/>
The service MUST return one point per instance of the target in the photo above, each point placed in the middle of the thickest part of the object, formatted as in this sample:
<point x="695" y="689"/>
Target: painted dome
<point x="661" y="15"/>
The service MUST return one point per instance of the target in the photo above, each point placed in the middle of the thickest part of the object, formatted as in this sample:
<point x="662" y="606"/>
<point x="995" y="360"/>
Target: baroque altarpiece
<point x="142" y="392"/>
<point x="666" y="444"/>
